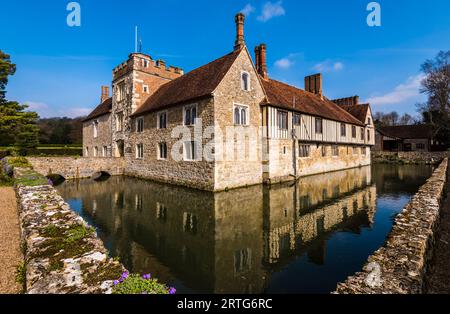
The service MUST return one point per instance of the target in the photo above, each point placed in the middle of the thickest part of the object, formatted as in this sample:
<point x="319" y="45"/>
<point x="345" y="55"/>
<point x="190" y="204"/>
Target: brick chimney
<point x="348" y="101"/>
<point x="240" y="41"/>
<point x="105" y="93"/>
<point x="261" y="61"/>
<point x="313" y="84"/>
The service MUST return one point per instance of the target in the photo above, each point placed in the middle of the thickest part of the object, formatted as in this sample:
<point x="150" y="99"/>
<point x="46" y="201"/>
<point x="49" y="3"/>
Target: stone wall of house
<point x="75" y="168"/>
<point x="399" y="266"/>
<point x="195" y="174"/>
<point x="62" y="252"/>
<point x="409" y="157"/>
<point x="349" y="157"/>
<point x="245" y="167"/>
<point x="102" y="140"/>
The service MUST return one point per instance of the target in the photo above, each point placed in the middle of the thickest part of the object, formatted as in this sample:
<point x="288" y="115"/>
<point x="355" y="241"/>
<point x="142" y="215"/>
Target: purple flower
<point x="172" y="290"/>
<point x="125" y="275"/>
<point x="116" y="282"/>
<point x="147" y="276"/>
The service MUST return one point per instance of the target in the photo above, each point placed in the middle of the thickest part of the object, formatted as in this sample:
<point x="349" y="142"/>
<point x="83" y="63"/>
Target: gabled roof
<point x="422" y="131"/>
<point x="358" y="111"/>
<point x="196" y="84"/>
<point x="102" y="109"/>
<point x="289" y="97"/>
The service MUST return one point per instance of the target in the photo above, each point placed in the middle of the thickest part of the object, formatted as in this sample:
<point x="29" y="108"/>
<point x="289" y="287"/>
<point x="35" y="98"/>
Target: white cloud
<point x="284" y="63"/>
<point x="248" y="9"/>
<point x="271" y="10"/>
<point x="329" y="66"/>
<point x="403" y="92"/>
<point x="46" y="111"/>
<point x="338" y="66"/>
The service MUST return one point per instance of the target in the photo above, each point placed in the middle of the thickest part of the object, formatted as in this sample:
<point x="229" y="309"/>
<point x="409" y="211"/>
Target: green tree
<point x="17" y="126"/>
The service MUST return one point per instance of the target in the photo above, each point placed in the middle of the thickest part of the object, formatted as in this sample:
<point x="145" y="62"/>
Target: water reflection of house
<point x="224" y="242"/>
<point x="316" y="206"/>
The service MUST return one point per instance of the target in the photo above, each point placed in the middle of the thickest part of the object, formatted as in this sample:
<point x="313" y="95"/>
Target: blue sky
<point x="61" y="68"/>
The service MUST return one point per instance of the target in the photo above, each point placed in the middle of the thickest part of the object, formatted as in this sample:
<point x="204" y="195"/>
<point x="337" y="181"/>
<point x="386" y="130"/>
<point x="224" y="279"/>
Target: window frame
<point x="139" y="151"/>
<point x="294" y="122"/>
<point x="145" y="89"/>
<point x="354" y="131"/>
<point x="316" y="120"/>
<point x="335" y="150"/>
<point x="193" y="151"/>
<point x="105" y="151"/>
<point x="121" y="91"/>
<point x="119" y="121"/>
<point x="185" y="109"/>
<point x="158" y="120"/>
<point x="241" y="108"/>
<point x="281" y="113"/>
<point x="246" y="82"/>
<point x="96" y="151"/>
<point x="343" y="130"/>
<point x="160" y="151"/>
<point x="138" y="129"/>
<point x="95" y="124"/>
<point x="301" y="151"/>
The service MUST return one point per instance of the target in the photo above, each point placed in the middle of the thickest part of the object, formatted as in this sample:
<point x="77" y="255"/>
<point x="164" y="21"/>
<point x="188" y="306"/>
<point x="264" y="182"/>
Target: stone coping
<point x="63" y="254"/>
<point x="399" y="266"/>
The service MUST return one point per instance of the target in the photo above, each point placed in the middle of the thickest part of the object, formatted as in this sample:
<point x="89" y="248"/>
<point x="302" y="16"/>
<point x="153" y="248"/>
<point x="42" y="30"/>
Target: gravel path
<point x="10" y="254"/>
<point x="438" y="277"/>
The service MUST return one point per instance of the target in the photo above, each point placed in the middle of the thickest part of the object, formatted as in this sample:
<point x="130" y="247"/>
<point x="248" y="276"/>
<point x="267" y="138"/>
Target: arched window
<point x="243" y="116"/>
<point x="245" y="81"/>
<point x="237" y="118"/>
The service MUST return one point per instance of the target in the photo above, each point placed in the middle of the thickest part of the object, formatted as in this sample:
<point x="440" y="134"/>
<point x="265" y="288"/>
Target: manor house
<point x="224" y="125"/>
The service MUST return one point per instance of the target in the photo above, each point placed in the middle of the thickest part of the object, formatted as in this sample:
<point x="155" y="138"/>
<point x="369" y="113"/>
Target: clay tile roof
<point x="407" y="131"/>
<point x="289" y="97"/>
<point x="198" y="83"/>
<point x="102" y="109"/>
<point x="358" y="111"/>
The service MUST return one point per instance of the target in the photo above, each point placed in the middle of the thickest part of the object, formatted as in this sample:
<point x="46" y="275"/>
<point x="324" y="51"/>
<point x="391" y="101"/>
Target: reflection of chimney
<point x="313" y="84"/>
<point x="240" y="41"/>
<point x="105" y="93"/>
<point x="261" y="61"/>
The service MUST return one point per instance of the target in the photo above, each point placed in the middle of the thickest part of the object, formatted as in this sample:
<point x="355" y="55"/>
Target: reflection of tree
<point x="401" y="178"/>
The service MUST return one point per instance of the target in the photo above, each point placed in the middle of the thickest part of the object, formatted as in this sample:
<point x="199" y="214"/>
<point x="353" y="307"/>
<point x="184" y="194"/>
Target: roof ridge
<point x="324" y="99"/>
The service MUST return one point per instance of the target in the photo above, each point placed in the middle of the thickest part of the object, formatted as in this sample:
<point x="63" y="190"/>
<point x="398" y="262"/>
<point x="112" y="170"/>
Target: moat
<point x="291" y="238"/>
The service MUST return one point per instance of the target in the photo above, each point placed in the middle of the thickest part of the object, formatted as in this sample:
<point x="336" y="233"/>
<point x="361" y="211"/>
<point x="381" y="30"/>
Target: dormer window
<point x="245" y="81"/>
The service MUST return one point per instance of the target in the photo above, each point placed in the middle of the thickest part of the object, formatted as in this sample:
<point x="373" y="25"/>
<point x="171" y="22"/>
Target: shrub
<point x="19" y="162"/>
<point x="135" y="284"/>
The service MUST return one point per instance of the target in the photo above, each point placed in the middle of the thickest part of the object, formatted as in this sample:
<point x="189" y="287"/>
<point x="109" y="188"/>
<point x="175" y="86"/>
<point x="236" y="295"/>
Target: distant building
<point x="404" y="138"/>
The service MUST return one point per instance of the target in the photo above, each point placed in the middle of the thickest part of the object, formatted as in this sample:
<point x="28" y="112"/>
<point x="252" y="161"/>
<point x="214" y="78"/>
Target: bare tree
<point x="436" y="85"/>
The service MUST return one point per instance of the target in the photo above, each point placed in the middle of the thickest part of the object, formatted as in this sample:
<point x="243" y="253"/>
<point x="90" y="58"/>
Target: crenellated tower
<point x="134" y="81"/>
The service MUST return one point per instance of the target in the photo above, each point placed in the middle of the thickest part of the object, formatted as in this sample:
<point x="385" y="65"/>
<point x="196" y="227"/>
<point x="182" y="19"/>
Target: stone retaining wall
<point x="399" y="266"/>
<point x="409" y="157"/>
<point x="75" y="168"/>
<point x="62" y="253"/>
